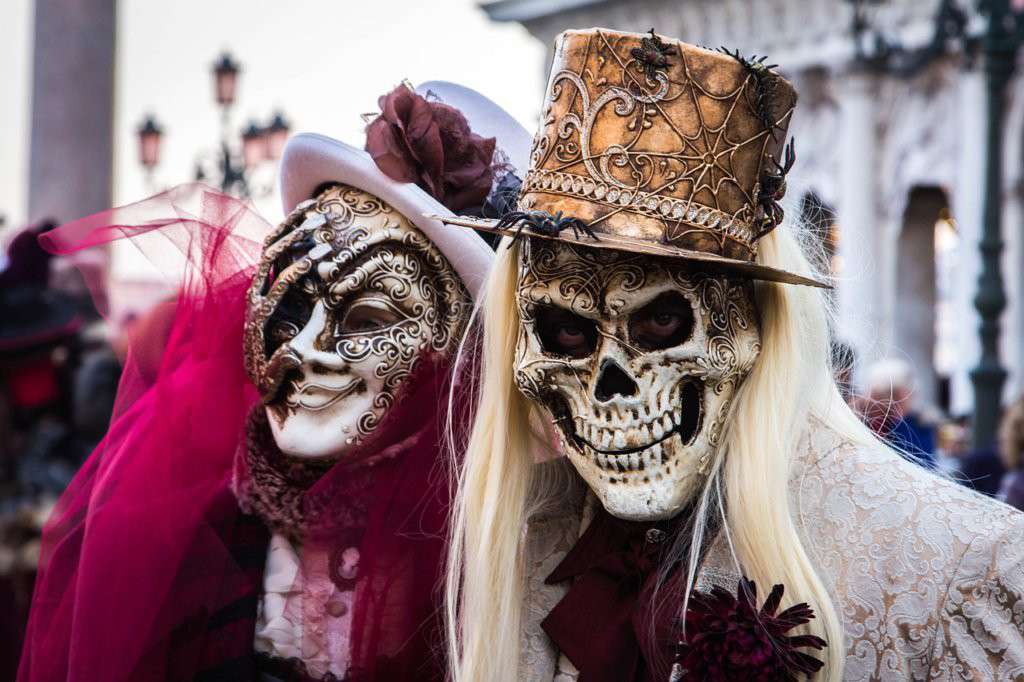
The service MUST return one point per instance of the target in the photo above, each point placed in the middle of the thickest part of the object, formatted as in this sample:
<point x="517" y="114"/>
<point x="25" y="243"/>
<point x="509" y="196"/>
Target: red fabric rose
<point x="430" y="144"/>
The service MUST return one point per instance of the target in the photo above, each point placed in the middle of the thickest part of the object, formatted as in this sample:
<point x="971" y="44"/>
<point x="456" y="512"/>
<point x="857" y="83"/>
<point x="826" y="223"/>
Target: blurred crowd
<point x="59" y="372"/>
<point x="888" y="403"/>
<point x="60" y="364"/>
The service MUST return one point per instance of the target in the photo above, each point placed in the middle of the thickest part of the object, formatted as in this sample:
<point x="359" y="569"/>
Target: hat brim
<point x="621" y="243"/>
<point x="311" y="160"/>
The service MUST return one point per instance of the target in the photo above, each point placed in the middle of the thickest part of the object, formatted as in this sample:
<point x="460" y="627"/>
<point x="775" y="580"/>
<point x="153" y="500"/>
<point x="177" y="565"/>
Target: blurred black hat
<point x="32" y="314"/>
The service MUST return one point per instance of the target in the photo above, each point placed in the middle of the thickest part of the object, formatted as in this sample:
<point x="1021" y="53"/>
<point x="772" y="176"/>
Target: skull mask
<point x="637" y="359"/>
<point x="349" y="297"/>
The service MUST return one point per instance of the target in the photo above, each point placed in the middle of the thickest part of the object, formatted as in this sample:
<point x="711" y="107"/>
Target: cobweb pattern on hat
<point x="683" y="144"/>
<point x="657" y="147"/>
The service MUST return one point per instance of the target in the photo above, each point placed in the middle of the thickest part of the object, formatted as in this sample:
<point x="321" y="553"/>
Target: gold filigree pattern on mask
<point x="344" y="249"/>
<point x="647" y="445"/>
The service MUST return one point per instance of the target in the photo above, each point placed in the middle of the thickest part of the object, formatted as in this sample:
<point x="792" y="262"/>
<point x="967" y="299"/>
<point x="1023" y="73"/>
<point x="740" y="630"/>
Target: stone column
<point x="966" y="198"/>
<point x="71" y="153"/>
<point x="860" y="314"/>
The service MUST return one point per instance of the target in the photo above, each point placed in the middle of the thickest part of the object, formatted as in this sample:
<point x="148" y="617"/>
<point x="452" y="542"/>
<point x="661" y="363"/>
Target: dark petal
<point x="698" y="602"/>
<point x="469" y="168"/>
<point x="467" y="194"/>
<point x="467" y="159"/>
<point x="468" y="176"/>
<point x="387" y="104"/>
<point x="469" y="185"/>
<point x="813" y="641"/>
<point x="396" y="106"/>
<point x="746" y="590"/>
<point x="424" y="138"/>
<point x="797" y="614"/>
<point x="637" y="53"/>
<point x="771" y="604"/>
<point x="389" y="151"/>
<point x="405" y="143"/>
<point x="805" y="663"/>
<point x="455" y="132"/>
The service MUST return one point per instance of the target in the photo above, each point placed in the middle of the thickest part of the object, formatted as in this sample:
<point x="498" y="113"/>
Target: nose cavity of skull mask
<point x="637" y="360"/>
<point x="348" y="297"/>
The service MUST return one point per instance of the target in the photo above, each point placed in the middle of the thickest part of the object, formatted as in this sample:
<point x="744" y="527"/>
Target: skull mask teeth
<point x="637" y="360"/>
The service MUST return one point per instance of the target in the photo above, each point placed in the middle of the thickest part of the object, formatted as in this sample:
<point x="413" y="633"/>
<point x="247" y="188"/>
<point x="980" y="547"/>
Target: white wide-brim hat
<point x="311" y="160"/>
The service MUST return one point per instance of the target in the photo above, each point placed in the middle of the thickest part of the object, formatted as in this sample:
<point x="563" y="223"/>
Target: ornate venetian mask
<point x="637" y="359"/>
<point x="348" y="298"/>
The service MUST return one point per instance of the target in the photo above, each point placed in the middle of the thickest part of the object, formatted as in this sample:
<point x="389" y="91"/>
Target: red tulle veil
<point x="147" y="562"/>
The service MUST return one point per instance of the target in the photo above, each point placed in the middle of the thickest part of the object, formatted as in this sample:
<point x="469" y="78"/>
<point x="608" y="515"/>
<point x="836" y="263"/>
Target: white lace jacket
<point x="928" y="575"/>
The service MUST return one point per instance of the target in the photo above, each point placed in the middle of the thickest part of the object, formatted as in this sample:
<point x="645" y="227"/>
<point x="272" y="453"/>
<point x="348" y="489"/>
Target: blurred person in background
<point x="981" y="469"/>
<point x="1011" y="450"/>
<point x="891" y="413"/>
<point x="40" y="350"/>
<point x="951" y="447"/>
<point x="40" y="444"/>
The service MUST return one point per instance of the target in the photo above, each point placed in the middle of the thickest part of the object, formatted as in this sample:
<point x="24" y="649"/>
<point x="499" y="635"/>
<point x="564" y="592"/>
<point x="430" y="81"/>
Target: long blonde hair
<point x="499" y="486"/>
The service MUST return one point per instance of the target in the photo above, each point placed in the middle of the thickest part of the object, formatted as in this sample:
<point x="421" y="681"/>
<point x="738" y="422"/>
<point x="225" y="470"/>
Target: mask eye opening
<point x="665" y="322"/>
<point x="563" y="333"/>
<point x="369" y="315"/>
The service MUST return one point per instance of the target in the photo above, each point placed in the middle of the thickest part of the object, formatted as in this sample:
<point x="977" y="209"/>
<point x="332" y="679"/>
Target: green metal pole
<point x="1000" y="48"/>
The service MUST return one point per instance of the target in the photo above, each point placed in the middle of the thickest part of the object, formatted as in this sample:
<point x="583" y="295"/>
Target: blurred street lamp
<point x="277" y="136"/>
<point x="254" y="145"/>
<point x="868" y="42"/>
<point x="235" y="163"/>
<point x="225" y="79"/>
<point x="149" y="143"/>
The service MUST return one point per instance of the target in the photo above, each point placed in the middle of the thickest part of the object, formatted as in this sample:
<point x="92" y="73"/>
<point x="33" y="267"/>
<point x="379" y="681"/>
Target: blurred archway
<point x="923" y="324"/>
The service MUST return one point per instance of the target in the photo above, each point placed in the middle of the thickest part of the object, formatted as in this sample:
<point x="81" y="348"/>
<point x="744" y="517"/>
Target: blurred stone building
<point x="890" y="137"/>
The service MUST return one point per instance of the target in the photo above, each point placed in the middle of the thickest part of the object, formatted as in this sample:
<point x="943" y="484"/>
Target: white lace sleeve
<point x="980" y="629"/>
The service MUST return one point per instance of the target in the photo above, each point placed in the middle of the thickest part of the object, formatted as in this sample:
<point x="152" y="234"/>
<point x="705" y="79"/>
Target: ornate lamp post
<point x="1000" y="45"/>
<point x="234" y="165"/>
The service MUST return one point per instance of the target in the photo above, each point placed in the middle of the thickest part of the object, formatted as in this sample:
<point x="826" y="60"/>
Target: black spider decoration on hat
<point x="764" y="86"/>
<point x="773" y="189"/>
<point x="652" y="54"/>
<point x="544" y="224"/>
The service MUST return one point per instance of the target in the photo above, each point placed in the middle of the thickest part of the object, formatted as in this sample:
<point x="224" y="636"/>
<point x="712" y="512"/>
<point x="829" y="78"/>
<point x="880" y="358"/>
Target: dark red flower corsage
<point x="430" y="143"/>
<point x="728" y="638"/>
